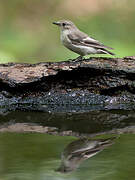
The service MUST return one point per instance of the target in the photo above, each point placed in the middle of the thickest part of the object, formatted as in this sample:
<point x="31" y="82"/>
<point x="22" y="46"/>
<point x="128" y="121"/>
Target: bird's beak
<point x="56" y="23"/>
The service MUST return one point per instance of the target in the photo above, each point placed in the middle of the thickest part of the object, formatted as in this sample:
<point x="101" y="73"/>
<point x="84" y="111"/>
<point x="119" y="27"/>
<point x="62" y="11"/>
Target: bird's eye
<point x="64" y="24"/>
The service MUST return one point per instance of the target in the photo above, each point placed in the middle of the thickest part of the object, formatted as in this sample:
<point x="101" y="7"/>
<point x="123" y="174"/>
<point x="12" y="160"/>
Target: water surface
<point x="37" y="156"/>
<point x="88" y="122"/>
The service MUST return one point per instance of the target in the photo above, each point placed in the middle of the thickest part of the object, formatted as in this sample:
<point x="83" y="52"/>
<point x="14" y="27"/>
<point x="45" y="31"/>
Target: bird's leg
<point x="80" y="58"/>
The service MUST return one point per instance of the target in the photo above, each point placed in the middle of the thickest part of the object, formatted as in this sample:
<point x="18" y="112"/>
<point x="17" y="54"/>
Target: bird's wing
<point x="83" y="39"/>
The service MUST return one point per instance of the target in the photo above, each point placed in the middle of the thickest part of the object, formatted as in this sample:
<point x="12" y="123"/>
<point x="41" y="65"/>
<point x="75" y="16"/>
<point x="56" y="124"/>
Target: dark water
<point x="89" y="122"/>
<point x="37" y="156"/>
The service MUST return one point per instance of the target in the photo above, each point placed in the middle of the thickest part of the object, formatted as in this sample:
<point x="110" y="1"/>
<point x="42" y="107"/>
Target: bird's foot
<point x="78" y="59"/>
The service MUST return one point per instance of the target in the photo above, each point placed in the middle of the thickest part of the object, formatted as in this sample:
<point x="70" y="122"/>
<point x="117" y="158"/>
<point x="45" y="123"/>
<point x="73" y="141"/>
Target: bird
<point x="81" y="149"/>
<point x="78" y="41"/>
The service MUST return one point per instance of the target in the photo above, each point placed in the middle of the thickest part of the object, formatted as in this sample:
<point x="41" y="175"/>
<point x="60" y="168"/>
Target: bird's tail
<point x="105" y="51"/>
<point x="109" y="52"/>
<point x="107" y="142"/>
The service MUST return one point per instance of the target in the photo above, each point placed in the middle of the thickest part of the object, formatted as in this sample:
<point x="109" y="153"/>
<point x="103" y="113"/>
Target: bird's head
<point x="65" y="25"/>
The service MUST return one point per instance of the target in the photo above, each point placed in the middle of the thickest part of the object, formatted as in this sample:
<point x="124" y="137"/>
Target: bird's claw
<point x="78" y="59"/>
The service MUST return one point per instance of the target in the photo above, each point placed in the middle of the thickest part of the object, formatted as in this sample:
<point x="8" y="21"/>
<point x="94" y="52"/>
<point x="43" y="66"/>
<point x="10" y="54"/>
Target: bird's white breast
<point x="64" y="37"/>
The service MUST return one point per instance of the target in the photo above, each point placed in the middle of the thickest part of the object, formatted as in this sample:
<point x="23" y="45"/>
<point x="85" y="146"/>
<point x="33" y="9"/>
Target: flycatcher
<point x="78" y="41"/>
<point x="79" y="150"/>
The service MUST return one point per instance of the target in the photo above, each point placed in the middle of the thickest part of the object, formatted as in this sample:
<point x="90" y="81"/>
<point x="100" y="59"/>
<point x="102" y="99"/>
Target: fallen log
<point x="69" y="86"/>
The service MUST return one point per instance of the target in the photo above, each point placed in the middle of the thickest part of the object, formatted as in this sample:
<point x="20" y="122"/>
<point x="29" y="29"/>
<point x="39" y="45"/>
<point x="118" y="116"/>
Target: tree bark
<point x="94" y="83"/>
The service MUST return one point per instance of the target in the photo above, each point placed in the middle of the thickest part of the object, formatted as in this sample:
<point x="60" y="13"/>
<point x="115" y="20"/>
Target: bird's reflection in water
<point x="78" y="151"/>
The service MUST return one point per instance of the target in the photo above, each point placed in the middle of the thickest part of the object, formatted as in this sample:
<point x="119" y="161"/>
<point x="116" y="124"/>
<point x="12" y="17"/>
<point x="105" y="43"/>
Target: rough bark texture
<point x="95" y="83"/>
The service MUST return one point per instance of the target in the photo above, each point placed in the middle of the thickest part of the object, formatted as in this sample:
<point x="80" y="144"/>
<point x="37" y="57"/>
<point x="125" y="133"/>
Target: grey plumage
<point x="78" y="41"/>
<point x="79" y="150"/>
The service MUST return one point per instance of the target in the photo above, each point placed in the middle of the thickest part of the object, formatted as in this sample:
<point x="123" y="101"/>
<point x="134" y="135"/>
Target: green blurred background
<point x="28" y="35"/>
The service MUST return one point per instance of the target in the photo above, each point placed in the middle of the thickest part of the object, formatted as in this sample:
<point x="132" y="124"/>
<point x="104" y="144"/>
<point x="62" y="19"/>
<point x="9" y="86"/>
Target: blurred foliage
<point x="27" y="33"/>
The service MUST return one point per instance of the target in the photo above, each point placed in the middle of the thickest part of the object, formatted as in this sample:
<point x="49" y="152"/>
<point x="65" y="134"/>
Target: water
<point x="37" y="156"/>
<point x="89" y="122"/>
